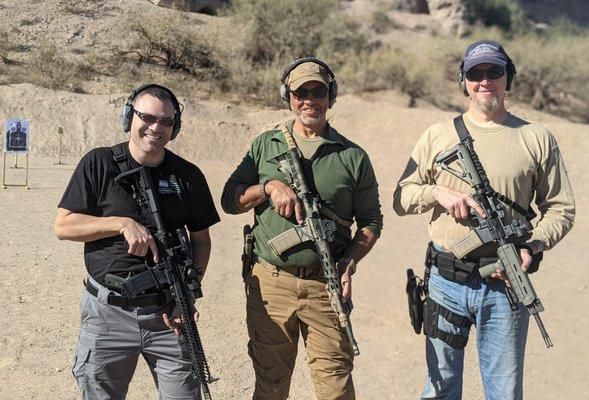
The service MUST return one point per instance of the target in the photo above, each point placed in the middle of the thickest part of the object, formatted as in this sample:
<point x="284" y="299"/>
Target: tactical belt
<point x="430" y="324"/>
<point x="299" y="272"/>
<point x="118" y="300"/>
<point x="452" y="268"/>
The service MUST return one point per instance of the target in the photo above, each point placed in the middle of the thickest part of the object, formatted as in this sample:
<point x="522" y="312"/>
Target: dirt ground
<point x="41" y="277"/>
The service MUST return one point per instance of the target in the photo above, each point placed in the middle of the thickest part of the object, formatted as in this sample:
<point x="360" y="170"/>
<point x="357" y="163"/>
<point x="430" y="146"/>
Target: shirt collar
<point x="331" y="136"/>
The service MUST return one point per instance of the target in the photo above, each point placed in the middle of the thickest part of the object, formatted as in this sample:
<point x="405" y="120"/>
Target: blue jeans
<point x="501" y="339"/>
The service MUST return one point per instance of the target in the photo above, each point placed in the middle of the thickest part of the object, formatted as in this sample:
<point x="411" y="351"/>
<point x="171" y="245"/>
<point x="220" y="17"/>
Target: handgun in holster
<point x="247" y="258"/>
<point x="416" y="290"/>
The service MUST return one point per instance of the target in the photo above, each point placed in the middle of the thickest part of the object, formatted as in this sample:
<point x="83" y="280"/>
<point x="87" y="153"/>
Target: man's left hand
<point x="346" y="286"/>
<point x="174" y="323"/>
<point x="346" y="267"/>
<point x="526" y="258"/>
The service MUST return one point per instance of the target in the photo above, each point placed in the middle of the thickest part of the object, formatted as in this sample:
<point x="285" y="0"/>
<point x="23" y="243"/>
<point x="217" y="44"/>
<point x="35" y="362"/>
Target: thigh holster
<point x="431" y="312"/>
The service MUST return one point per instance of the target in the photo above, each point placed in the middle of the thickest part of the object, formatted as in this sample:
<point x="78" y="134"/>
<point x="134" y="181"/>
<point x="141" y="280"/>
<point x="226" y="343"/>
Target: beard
<point x="310" y="121"/>
<point x="489" y="106"/>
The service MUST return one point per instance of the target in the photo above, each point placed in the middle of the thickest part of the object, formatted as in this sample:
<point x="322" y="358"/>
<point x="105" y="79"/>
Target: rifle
<point x="320" y="231"/>
<point x="495" y="228"/>
<point x="175" y="269"/>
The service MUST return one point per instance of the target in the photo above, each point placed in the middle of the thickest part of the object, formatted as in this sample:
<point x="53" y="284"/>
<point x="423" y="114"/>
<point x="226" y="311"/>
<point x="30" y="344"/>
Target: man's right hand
<point x="456" y="203"/>
<point x="284" y="200"/>
<point x="139" y="239"/>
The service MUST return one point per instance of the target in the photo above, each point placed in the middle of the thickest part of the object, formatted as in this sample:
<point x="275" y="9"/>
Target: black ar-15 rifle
<point x="175" y="270"/>
<point x="495" y="228"/>
<point x="320" y="231"/>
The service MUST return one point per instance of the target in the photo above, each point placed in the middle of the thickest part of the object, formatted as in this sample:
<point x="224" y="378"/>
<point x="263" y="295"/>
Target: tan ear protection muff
<point x="285" y="90"/>
<point x="127" y="112"/>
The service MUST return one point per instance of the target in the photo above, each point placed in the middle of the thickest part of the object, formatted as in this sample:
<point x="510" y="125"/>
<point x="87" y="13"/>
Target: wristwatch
<point x="263" y="189"/>
<point x="350" y="264"/>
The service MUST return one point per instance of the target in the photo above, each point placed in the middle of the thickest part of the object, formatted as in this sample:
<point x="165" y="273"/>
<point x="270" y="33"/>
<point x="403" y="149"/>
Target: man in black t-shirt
<point x="118" y="240"/>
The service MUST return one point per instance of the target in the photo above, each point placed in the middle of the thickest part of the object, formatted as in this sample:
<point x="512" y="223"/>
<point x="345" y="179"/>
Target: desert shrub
<point x="166" y="41"/>
<point x="381" y="23"/>
<point x="6" y="44"/>
<point x="87" y="8"/>
<point x="428" y="74"/>
<point x="552" y="73"/>
<point x="48" y="67"/>
<point x="278" y="31"/>
<point x="507" y="15"/>
<point x="282" y="29"/>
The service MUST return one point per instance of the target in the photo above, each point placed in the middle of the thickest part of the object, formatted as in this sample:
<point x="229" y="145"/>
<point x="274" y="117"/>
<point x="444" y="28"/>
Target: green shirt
<point x="340" y="172"/>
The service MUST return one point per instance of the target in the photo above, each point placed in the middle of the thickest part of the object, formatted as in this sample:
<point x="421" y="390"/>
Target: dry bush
<point x="552" y="73"/>
<point x="507" y="15"/>
<point x="425" y="75"/>
<point x="86" y="8"/>
<point x="49" y="68"/>
<point x="169" y="42"/>
<point x="280" y="31"/>
<point x="6" y="44"/>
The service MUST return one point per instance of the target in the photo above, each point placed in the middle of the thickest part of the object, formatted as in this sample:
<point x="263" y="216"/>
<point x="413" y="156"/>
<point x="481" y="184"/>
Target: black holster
<point x="247" y="258"/>
<point x="416" y="290"/>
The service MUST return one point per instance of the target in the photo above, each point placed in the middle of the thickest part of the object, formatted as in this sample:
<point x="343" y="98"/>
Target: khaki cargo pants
<point x="279" y="306"/>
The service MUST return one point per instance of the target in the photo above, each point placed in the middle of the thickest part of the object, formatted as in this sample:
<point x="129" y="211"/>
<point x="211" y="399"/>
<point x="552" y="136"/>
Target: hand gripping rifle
<point x="495" y="228"/>
<point x="177" y="268"/>
<point x="320" y="231"/>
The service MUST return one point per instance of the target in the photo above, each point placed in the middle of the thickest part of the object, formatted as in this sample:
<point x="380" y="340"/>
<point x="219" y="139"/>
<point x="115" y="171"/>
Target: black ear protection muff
<point x="509" y="69"/>
<point x="127" y="112"/>
<point x="285" y="90"/>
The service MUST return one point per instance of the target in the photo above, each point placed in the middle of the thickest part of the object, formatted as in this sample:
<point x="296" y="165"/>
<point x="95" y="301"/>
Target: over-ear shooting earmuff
<point x="127" y="112"/>
<point x="285" y="90"/>
<point x="509" y="69"/>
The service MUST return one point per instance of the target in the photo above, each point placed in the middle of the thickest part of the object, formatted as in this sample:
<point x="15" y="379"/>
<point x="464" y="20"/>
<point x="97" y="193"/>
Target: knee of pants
<point x="338" y="385"/>
<point x="179" y="387"/>
<point x="272" y="362"/>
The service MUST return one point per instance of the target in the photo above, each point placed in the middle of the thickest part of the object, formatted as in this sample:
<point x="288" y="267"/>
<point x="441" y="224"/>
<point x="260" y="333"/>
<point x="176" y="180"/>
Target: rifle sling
<point x="120" y="157"/>
<point x="325" y="210"/>
<point x="464" y="136"/>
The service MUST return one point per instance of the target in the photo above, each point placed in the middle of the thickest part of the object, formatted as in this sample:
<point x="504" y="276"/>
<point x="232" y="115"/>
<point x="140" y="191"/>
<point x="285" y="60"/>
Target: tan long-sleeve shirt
<point x="522" y="161"/>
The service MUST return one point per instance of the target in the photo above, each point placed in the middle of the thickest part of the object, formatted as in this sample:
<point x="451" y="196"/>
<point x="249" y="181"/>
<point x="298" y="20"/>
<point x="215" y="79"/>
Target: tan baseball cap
<point x="306" y="72"/>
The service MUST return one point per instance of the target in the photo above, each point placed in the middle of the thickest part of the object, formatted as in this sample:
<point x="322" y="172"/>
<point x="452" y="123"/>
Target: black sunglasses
<point x="151" y="119"/>
<point x="477" y="75"/>
<point x="320" y="92"/>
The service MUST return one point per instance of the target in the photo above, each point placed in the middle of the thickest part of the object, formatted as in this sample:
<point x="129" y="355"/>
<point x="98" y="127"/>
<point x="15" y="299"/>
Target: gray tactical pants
<point x="110" y="342"/>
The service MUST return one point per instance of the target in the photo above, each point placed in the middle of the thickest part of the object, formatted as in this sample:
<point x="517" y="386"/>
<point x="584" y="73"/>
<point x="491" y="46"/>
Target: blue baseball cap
<point x="485" y="51"/>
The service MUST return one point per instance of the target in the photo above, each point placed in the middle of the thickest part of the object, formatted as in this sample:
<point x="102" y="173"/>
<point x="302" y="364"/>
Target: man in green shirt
<point x="286" y="295"/>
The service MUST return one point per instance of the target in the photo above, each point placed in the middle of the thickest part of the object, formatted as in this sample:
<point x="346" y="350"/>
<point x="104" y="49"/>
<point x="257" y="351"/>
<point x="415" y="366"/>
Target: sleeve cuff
<point x="537" y="244"/>
<point x="373" y="227"/>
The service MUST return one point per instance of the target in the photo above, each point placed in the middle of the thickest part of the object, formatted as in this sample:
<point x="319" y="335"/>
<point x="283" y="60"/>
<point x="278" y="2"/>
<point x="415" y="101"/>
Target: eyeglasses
<point x="152" y="119"/>
<point x="320" y="92"/>
<point x="477" y="75"/>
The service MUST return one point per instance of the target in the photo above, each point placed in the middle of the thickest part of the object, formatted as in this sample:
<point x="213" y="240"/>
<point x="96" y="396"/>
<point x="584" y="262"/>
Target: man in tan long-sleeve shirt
<point x="523" y="162"/>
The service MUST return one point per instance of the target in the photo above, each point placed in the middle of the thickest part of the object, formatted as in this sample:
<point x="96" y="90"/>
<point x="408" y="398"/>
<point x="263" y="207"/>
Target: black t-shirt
<point x="93" y="191"/>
